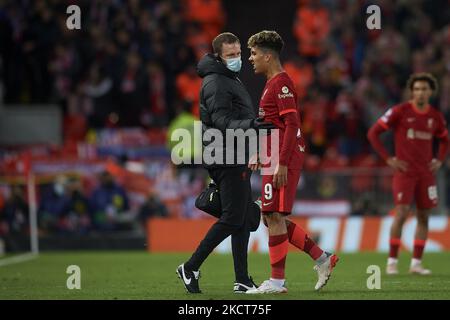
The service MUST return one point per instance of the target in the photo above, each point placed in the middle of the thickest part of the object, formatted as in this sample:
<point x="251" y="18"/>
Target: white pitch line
<point x="18" y="259"/>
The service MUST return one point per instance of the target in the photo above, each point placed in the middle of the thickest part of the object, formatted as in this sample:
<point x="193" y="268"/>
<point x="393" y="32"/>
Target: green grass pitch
<point x="140" y="275"/>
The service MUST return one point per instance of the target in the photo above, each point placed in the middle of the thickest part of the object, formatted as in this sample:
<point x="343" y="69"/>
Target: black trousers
<point x="236" y="199"/>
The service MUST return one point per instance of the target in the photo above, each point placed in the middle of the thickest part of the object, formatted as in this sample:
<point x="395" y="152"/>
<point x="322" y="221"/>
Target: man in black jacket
<point x="225" y="105"/>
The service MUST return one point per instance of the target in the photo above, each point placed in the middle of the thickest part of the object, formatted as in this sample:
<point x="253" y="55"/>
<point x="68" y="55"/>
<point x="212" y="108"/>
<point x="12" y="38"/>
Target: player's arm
<point x="442" y="136"/>
<point x="219" y="103"/>
<point x="291" y="123"/>
<point x="382" y="125"/>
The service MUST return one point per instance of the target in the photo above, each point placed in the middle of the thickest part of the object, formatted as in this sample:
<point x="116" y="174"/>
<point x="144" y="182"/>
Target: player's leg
<point x="278" y="247"/>
<point x="325" y="261"/>
<point x="229" y="181"/>
<point x="239" y="243"/>
<point x="403" y="191"/>
<point x="401" y="214"/>
<point x="427" y="198"/>
<point x="420" y="239"/>
<point x="300" y="239"/>
<point x="271" y="202"/>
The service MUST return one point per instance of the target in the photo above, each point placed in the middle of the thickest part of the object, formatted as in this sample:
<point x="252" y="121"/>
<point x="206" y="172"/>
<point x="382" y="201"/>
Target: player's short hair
<point x="265" y="39"/>
<point x="226" y="37"/>
<point x="423" y="76"/>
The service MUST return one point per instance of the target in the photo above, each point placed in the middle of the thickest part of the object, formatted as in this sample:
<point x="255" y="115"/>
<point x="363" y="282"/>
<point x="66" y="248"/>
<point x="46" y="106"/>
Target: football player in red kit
<point x="278" y="105"/>
<point x="415" y="124"/>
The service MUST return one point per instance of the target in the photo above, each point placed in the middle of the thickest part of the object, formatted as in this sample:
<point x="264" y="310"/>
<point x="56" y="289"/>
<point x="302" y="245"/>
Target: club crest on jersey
<point x="430" y="123"/>
<point x="285" y="93"/>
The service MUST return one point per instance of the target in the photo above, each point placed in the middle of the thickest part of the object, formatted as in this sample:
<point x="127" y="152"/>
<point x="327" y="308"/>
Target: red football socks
<point x="394" y="245"/>
<point x="278" y="247"/>
<point x="299" y="238"/>
<point x="419" y="245"/>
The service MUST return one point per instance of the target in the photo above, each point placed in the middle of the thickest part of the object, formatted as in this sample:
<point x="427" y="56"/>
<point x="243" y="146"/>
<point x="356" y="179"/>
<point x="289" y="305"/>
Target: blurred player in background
<point x="278" y="105"/>
<point x="415" y="123"/>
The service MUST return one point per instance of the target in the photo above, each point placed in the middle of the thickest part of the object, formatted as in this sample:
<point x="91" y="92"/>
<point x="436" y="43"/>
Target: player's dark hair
<point x="423" y="76"/>
<point x="267" y="40"/>
<point x="226" y="37"/>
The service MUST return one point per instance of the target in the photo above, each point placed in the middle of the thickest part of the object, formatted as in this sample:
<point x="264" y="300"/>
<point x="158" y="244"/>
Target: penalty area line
<point x="18" y="259"/>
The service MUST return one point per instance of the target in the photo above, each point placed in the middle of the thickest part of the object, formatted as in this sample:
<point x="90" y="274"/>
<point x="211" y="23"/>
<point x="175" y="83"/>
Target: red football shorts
<point x="421" y="188"/>
<point x="279" y="200"/>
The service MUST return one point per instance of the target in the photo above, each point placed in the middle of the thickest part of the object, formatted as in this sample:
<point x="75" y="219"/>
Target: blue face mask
<point x="234" y="64"/>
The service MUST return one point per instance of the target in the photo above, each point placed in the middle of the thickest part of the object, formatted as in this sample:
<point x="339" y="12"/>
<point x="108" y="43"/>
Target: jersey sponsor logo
<point x="267" y="204"/>
<point x="430" y="123"/>
<point x="399" y="196"/>
<point x="411" y="119"/>
<point x="286" y="93"/>
<point x="417" y="134"/>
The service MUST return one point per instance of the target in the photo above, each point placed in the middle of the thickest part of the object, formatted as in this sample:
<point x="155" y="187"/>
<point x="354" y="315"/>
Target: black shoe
<point x="189" y="278"/>
<point x="242" y="287"/>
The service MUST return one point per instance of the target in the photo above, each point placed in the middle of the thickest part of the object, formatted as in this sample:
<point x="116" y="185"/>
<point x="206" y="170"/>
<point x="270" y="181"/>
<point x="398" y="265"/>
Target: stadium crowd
<point x="124" y="65"/>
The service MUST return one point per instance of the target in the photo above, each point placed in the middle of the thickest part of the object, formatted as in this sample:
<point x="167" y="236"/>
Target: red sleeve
<point x="291" y="123"/>
<point x="285" y="98"/>
<point x="287" y="109"/>
<point x="441" y="130"/>
<point x="443" y="148"/>
<point x="390" y="118"/>
<point x="374" y="138"/>
<point x="442" y="134"/>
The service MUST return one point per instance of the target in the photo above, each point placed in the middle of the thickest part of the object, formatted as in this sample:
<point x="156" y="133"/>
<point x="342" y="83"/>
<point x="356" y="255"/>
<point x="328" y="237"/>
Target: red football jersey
<point x="278" y="99"/>
<point x="414" y="131"/>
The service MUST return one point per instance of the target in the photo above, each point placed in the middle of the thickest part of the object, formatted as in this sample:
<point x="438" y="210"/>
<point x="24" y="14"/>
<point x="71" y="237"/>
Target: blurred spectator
<point x="188" y="88"/>
<point x="157" y="115"/>
<point x="198" y="40"/>
<point x="108" y="203"/>
<point x="301" y="73"/>
<point x="311" y="29"/>
<point x="314" y="122"/>
<point x="54" y="204"/>
<point x="208" y="13"/>
<point x="152" y="207"/>
<point x="14" y="214"/>
<point x="101" y="105"/>
<point x="77" y="219"/>
<point x="133" y="97"/>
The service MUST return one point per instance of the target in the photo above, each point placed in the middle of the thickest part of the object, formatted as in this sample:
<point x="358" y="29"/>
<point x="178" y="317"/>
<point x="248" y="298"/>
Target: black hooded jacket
<point x="224" y="104"/>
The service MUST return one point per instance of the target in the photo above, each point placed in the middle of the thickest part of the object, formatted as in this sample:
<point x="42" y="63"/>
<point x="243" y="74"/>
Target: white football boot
<point x="417" y="268"/>
<point x="268" y="286"/>
<point x="392" y="266"/>
<point x="324" y="270"/>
